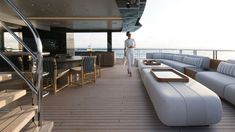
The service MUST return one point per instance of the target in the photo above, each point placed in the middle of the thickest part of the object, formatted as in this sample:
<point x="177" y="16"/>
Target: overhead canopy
<point x="78" y="15"/>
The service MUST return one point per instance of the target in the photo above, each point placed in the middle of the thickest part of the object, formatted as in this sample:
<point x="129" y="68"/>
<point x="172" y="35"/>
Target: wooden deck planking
<point x="8" y="96"/>
<point x="116" y="103"/>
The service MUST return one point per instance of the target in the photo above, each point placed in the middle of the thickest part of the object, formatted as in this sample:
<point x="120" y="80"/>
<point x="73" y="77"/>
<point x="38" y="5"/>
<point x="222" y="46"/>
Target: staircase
<point x="16" y="119"/>
<point x="25" y="117"/>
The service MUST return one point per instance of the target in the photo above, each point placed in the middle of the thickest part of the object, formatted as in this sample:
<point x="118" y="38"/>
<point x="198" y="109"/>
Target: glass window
<point x="187" y="52"/>
<point x="225" y="55"/>
<point x="90" y="41"/>
<point x="207" y="53"/>
<point x="10" y="43"/>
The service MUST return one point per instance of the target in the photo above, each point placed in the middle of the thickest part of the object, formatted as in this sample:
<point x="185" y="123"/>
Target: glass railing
<point x="140" y="53"/>
<point x="213" y="54"/>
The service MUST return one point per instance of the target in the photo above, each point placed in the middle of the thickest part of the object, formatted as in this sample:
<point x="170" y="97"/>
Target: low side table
<point x="192" y="71"/>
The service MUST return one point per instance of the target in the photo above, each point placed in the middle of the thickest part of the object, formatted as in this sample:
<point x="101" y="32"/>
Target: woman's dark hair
<point x="127" y="33"/>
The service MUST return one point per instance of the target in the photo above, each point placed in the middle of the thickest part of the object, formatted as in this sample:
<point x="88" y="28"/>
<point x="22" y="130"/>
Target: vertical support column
<point x="1" y="39"/>
<point x="180" y="51"/>
<point x="215" y="54"/>
<point x="70" y="44"/>
<point x="194" y="52"/>
<point x="109" y="41"/>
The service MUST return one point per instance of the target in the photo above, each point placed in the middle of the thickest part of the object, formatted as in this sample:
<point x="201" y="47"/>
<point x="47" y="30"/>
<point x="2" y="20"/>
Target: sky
<point x="184" y="24"/>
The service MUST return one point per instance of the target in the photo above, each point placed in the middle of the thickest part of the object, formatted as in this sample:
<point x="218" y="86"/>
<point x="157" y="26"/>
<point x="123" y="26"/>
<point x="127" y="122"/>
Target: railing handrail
<point x="18" y="39"/>
<point x="183" y="49"/>
<point x="161" y="49"/>
<point x="214" y="54"/>
<point x="28" y="23"/>
<point x="37" y="59"/>
<point x="32" y="87"/>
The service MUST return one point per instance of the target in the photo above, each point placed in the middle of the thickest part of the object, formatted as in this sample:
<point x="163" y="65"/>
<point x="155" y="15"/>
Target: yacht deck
<point x="116" y="102"/>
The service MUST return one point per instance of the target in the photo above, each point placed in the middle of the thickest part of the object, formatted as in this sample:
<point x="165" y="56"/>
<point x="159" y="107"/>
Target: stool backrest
<point x="89" y="64"/>
<point x="49" y="65"/>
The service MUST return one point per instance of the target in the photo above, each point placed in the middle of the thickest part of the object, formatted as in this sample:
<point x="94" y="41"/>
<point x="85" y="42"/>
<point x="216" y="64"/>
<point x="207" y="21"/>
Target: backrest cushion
<point x="89" y="64"/>
<point x="203" y="63"/>
<point x="49" y="65"/>
<point x="149" y="55"/>
<point x="193" y="61"/>
<point x="178" y="58"/>
<point x="168" y="56"/>
<point x="157" y="56"/>
<point x="226" y="68"/>
<point x="231" y="61"/>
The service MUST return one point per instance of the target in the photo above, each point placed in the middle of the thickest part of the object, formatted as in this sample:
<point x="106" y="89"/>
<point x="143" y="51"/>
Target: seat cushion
<point x="215" y="81"/>
<point x="62" y="71"/>
<point x="229" y="93"/>
<point x="177" y="65"/>
<point x="79" y="68"/>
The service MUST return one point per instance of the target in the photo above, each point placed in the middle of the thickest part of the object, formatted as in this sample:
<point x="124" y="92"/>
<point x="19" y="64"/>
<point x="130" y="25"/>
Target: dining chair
<point x="85" y="73"/>
<point x="54" y="74"/>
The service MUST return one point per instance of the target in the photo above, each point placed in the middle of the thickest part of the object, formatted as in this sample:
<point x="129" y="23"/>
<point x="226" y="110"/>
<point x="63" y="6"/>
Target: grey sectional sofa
<point x="181" y="104"/>
<point x="221" y="81"/>
<point x="180" y="61"/>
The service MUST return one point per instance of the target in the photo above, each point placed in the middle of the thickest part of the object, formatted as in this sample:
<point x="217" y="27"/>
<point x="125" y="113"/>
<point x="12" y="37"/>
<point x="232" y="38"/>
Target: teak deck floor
<point x="116" y="103"/>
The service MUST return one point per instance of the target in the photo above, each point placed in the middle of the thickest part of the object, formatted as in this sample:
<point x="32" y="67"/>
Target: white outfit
<point x="130" y="52"/>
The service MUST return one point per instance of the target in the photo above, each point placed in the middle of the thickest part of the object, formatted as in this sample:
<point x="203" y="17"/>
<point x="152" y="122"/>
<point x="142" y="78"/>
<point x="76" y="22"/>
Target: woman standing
<point x="129" y="50"/>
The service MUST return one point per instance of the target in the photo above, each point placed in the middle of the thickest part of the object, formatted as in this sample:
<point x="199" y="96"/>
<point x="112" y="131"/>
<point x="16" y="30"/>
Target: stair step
<point x="5" y="77"/>
<point x="46" y="127"/>
<point x="8" y="96"/>
<point x="45" y="74"/>
<point x="15" y="120"/>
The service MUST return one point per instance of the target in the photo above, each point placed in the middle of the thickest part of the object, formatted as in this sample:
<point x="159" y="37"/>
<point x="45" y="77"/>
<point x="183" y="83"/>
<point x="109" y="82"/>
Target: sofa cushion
<point x="231" y="61"/>
<point x="149" y="55"/>
<point x="157" y="56"/>
<point x="215" y="81"/>
<point x="168" y="56"/>
<point x="229" y="93"/>
<point x="226" y="68"/>
<point x="178" y="58"/>
<point x="176" y="65"/>
<point x="205" y="61"/>
<point x="199" y="61"/>
<point x="193" y="61"/>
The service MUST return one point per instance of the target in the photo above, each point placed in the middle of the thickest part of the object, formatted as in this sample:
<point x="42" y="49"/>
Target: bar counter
<point x="106" y="60"/>
<point x="67" y="63"/>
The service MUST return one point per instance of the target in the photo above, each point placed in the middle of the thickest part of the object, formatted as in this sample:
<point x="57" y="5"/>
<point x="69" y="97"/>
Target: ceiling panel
<point x="110" y="15"/>
<point x="41" y="8"/>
